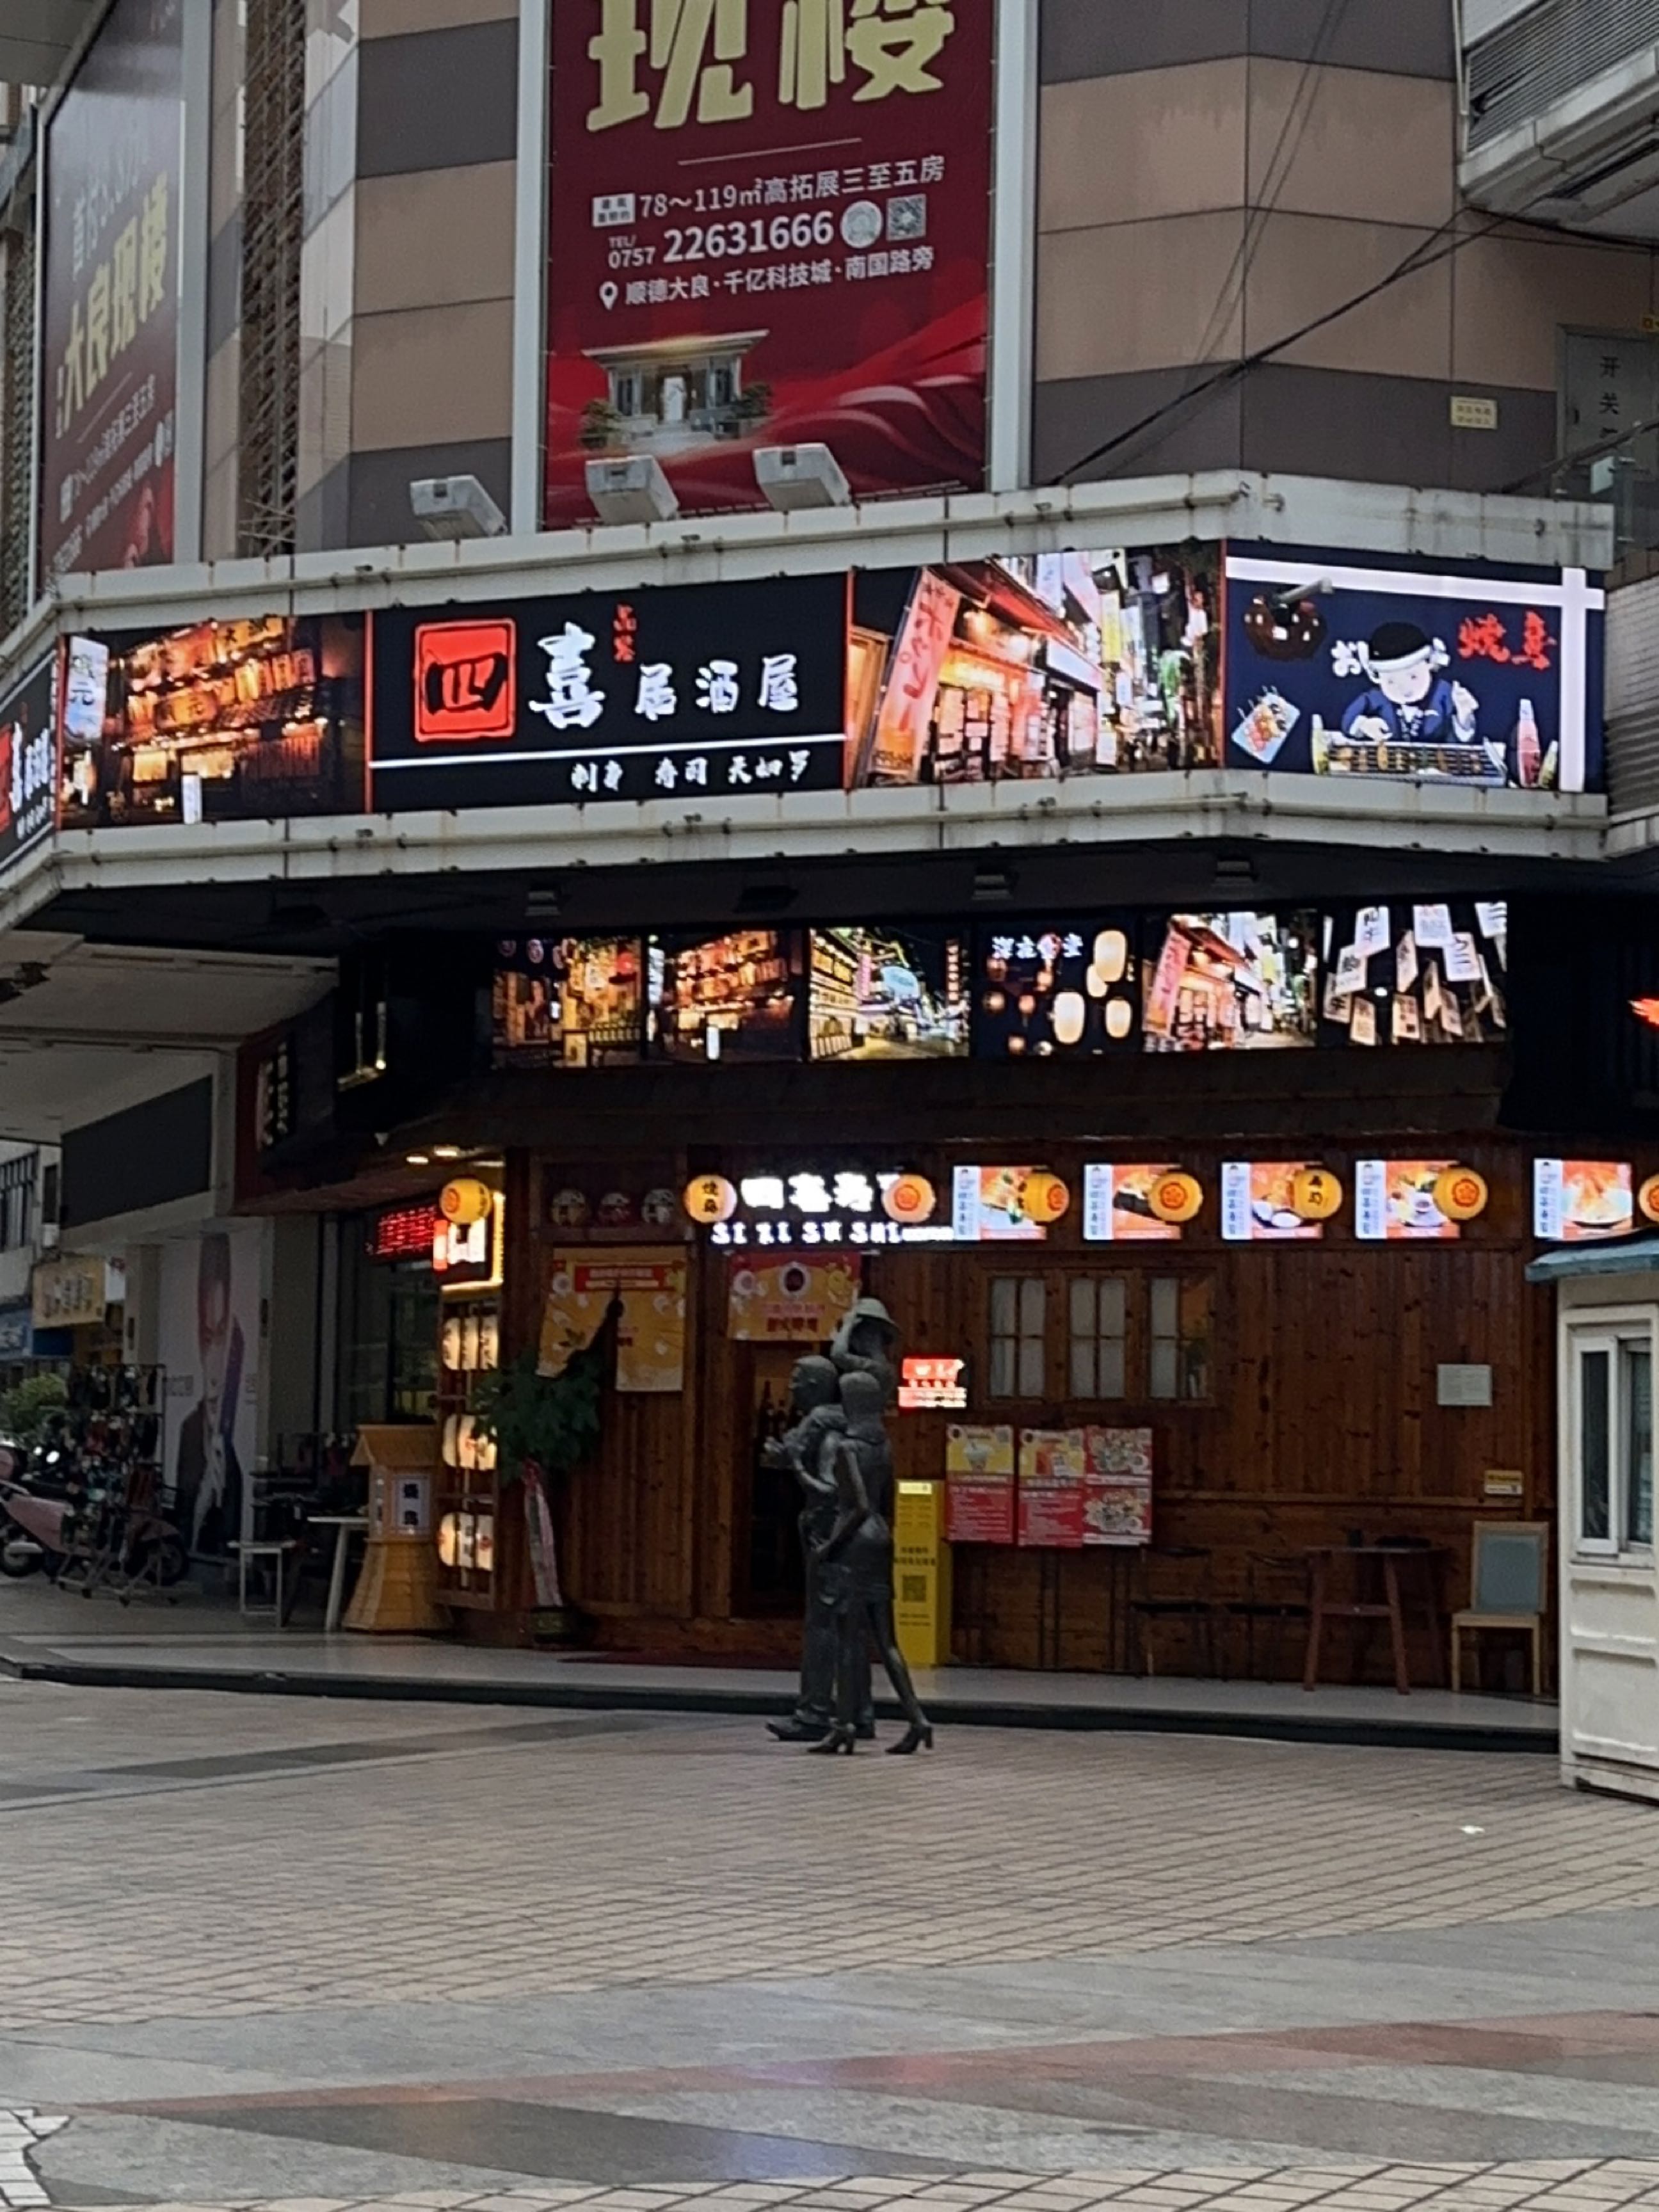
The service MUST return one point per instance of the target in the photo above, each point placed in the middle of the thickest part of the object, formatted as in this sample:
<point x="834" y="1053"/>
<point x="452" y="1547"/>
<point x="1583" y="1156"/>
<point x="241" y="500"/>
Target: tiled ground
<point x="700" y="1851"/>
<point x="1546" y="2185"/>
<point x="273" y="1952"/>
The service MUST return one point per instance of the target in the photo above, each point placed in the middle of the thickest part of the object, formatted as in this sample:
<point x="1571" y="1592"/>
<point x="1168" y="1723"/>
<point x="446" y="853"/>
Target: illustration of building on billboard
<point x="672" y="395"/>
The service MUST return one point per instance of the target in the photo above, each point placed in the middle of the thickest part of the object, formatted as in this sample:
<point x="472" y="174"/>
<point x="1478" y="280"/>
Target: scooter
<point x="31" y="1535"/>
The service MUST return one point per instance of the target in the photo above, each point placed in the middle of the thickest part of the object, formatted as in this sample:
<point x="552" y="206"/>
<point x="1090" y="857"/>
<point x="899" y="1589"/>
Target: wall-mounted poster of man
<point x="209" y="1348"/>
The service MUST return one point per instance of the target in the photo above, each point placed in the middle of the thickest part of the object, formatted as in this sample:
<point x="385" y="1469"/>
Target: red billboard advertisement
<point x="110" y="299"/>
<point x="771" y="224"/>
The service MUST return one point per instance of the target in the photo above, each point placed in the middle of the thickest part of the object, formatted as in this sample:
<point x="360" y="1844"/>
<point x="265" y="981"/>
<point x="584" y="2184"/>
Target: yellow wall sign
<point x="464" y="1200"/>
<point x="1045" y="1198"/>
<point x="921" y="1574"/>
<point x="1175" y="1198"/>
<point x="709" y="1198"/>
<point x="1316" y="1194"/>
<point x="1461" y="1195"/>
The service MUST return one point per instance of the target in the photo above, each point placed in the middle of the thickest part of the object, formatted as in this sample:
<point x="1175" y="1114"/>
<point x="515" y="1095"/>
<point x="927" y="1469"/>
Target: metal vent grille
<point x="1548" y="52"/>
<point x="1634" y="698"/>
<point x="273" y="227"/>
<point x="16" y="423"/>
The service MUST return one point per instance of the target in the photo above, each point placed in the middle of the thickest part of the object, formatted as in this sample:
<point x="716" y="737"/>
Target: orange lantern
<point x="1045" y="1199"/>
<point x="1315" y="1195"/>
<point x="910" y="1198"/>
<point x="465" y="1201"/>
<point x="1461" y="1195"/>
<point x="709" y="1199"/>
<point x="1176" y="1197"/>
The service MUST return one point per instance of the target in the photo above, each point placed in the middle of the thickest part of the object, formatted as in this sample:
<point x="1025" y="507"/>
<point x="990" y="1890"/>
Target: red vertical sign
<point x="770" y="224"/>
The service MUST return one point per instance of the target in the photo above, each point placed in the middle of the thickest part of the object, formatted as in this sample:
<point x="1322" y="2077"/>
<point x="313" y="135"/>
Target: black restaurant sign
<point x="676" y="693"/>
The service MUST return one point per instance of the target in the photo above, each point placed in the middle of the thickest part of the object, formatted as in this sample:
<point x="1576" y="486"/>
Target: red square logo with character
<point x="465" y="681"/>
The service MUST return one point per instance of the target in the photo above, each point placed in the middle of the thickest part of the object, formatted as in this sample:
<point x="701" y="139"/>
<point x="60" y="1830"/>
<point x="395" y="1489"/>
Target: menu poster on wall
<point x="1579" y="1201"/>
<point x="1000" y="1205"/>
<point x="247" y="720"/>
<point x="568" y="1001"/>
<point x="28" y="762"/>
<point x="1258" y="1202"/>
<point x="887" y="995"/>
<point x="1036" y="666"/>
<point x="651" y="1329"/>
<point x="679" y="693"/>
<point x="1237" y="982"/>
<point x="1346" y="664"/>
<point x="1117" y="1204"/>
<point x="1053" y="1470"/>
<point x="979" y="1496"/>
<point x="1117" y="1497"/>
<point x="1395" y="1202"/>
<point x="1416" y="972"/>
<point x="790" y="1301"/>
<point x="735" y="997"/>
<point x="772" y="229"/>
<point x="1057" y="989"/>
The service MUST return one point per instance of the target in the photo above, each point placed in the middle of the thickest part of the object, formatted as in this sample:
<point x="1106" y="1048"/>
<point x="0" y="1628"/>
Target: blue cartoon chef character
<point x="1409" y="697"/>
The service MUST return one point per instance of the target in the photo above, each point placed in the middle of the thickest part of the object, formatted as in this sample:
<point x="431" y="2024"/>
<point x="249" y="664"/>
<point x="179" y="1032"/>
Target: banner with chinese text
<point x="1366" y="665"/>
<point x="110" y="299"/>
<point x="677" y="692"/>
<point x="28" y="762"/>
<point x="651" y="1332"/>
<point x="772" y="226"/>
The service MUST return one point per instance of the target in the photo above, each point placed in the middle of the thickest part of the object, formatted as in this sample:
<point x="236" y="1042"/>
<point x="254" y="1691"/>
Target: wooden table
<point x="1322" y="1607"/>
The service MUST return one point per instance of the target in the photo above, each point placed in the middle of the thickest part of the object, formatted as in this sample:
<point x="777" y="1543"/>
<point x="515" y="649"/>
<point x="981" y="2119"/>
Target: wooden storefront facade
<point x="1299" y="1403"/>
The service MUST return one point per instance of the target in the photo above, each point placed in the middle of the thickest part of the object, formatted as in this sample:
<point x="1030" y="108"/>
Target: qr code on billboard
<point x="912" y="1589"/>
<point x="908" y="217"/>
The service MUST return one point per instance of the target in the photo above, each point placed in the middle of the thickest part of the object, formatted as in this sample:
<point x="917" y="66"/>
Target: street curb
<point x="966" y="1711"/>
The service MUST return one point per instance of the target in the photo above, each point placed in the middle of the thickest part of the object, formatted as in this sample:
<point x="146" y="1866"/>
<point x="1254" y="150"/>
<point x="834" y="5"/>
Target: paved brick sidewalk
<point x="1549" y="2186"/>
<point x="593" y="1854"/>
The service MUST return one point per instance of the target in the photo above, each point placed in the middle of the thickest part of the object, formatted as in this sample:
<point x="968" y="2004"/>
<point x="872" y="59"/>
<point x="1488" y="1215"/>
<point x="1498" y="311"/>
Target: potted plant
<point x="543" y="1426"/>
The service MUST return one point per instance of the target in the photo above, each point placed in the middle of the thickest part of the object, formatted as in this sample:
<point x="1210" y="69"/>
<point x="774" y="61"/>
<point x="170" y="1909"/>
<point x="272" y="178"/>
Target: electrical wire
<point x="1418" y="258"/>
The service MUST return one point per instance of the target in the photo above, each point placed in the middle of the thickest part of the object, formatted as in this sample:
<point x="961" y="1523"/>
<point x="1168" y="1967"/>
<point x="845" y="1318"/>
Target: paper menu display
<point x="1395" y="1202"/>
<point x="1579" y="1201"/>
<point x="1117" y="1204"/>
<point x="1080" y="1488"/>
<point x="1257" y="1203"/>
<point x="1432" y="926"/>
<point x="1117" y="1492"/>
<point x="979" y="1491"/>
<point x="1462" y="961"/>
<point x="1371" y="931"/>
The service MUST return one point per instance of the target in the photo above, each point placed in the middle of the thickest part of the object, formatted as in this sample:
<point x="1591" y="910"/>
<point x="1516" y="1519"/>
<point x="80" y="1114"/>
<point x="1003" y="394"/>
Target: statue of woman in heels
<point x="855" y="1567"/>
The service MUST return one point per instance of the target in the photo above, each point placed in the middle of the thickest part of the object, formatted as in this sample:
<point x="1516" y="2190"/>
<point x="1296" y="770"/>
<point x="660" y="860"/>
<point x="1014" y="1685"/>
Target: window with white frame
<point x="1612" y="1439"/>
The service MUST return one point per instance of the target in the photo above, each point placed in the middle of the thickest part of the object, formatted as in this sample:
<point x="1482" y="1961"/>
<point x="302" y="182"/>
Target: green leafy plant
<point x="601" y="426"/>
<point x="551" y="1422"/>
<point x="24" y="1408"/>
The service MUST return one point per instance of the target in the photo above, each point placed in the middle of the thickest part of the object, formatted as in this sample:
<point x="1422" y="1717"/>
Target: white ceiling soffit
<point x="38" y="36"/>
<point x="91" y="1029"/>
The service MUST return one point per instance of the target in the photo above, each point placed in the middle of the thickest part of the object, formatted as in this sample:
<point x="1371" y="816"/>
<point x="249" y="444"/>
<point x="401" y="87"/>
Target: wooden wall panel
<point x="1323" y="1418"/>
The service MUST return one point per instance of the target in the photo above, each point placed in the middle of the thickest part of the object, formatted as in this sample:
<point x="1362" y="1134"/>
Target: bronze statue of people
<point x="866" y="1343"/>
<point x="815" y="1402"/>
<point x="855" y="1566"/>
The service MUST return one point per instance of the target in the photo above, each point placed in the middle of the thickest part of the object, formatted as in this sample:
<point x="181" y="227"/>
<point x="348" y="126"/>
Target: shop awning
<point x="1639" y="1257"/>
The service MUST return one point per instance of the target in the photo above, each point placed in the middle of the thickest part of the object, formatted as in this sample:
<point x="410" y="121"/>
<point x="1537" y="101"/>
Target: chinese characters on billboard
<point x="772" y="227"/>
<point x="1036" y="666"/>
<point x="110" y="299"/>
<point x="737" y="997"/>
<point x="1341" y="665"/>
<point x="677" y="693"/>
<point x="239" y="721"/>
<point x="28" y="762"/>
